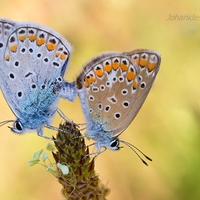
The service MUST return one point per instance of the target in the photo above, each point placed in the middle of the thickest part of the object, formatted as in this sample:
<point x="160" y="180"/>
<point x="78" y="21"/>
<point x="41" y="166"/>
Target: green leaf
<point x="44" y="156"/>
<point x="37" y="154"/>
<point x="50" y="147"/>
<point x="51" y="169"/>
<point x="33" y="161"/>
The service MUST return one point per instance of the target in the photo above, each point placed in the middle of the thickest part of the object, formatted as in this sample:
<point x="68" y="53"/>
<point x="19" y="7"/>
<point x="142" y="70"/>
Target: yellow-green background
<point x="167" y="127"/>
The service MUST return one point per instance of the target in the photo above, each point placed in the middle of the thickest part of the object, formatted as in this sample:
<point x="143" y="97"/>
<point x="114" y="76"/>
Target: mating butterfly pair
<point x="112" y="86"/>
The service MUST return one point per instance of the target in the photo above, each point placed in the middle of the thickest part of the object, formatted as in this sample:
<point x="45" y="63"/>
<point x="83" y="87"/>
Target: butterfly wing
<point x="34" y="63"/>
<point x="6" y="27"/>
<point x="93" y="91"/>
<point x="147" y="63"/>
<point x="110" y="89"/>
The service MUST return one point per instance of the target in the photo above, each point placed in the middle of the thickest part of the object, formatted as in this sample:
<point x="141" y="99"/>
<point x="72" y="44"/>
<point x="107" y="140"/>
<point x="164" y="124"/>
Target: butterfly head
<point x="114" y="144"/>
<point x="103" y="139"/>
<point x="18" y="127"/>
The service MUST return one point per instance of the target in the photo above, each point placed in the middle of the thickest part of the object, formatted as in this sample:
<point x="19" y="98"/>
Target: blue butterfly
<point x="112" y="88"/>
<point x="33" y="62"/>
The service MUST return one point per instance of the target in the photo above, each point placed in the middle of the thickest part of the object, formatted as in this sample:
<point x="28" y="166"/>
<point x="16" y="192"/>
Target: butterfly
<point x="33" y="62"/>
<point x="112" y="88"/>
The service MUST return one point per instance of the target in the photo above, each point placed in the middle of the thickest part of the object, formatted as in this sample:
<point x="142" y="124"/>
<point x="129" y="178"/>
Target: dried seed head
<point x="81" y="182"/>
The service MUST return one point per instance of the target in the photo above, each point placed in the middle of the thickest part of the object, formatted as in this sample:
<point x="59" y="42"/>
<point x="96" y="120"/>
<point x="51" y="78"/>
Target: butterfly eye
<point x="18" y="127"/>
<point x="114" y="144"/>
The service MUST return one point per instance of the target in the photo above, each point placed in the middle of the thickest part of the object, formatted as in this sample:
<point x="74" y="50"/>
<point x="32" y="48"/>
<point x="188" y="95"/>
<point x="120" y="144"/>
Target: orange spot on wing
<point x="136" y="60"/>
<point x="143" y="62"/>
<point x="86" y="83"/>
<point x="115" y="65"/>
<point x="58" y="54"/>
<point x="135" y="84"/>
<point x="123" y="67"/>
<point x="7" y="57"/>
<point x="151" y="66"/>
<point x="32" y="37"/>
<point x="108" y="68"/>
<point x="22" y="38"/>
<point x="130" y="76"/>
<point x="40" y="41"/>
<point x="99" y="72"/>
<point x="89" y="79"/>
<point x="13" y="48"/>
<point x="93" y="79"/>
<point x="63" y="57"/>
<point x="50" y="46"/>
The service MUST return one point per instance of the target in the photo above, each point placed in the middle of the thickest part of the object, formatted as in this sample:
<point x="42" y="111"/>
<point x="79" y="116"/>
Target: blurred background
<point x="167" y="128"/>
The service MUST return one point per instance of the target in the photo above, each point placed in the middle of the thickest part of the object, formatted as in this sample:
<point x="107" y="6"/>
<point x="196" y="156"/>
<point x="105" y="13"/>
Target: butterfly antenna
<point x="134" y="148"/>
<point x="53" y="128"/>
<point x="5" y="122"/>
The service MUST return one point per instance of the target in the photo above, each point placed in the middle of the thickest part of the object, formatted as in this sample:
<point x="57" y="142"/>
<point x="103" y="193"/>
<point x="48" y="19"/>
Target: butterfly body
<point x="112" y="88"/>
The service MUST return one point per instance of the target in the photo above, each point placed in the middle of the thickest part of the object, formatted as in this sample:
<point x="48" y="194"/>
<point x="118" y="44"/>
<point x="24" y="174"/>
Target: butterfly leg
<point x="95" y="153"/>
<point x="40" y="133"/>
<point x="62" y="115"/>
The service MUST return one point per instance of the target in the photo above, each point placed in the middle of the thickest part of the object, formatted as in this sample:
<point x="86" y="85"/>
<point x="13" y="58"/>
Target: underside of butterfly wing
<point x="6" y="27"/>
<point x="34" y="63"/>
<point x="113" y="87"/>
<point x="147" y="62"/>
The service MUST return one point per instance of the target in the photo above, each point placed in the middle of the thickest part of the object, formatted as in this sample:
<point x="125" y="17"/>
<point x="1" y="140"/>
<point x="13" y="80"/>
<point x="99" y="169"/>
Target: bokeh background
<point x="167" y="127"/>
